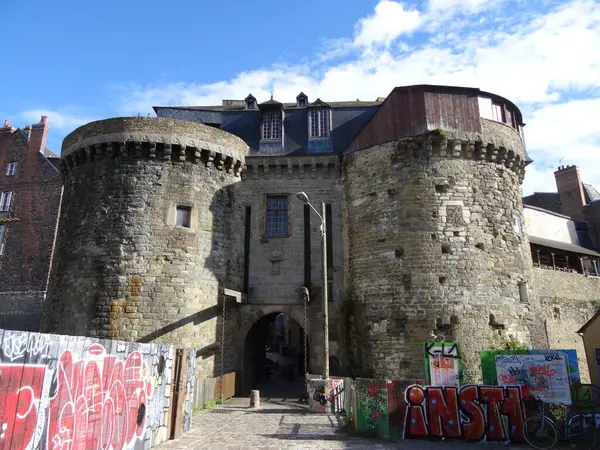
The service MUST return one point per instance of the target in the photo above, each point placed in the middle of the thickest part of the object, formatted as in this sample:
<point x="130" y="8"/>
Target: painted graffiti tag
<point x="16" y="345"/>
<point x="445" y="349"/>
<point x="90" y="400"/>
<point x="473" y="413"/>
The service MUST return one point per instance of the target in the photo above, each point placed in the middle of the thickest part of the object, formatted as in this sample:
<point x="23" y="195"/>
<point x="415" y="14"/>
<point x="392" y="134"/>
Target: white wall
<point x="549" y="226"/>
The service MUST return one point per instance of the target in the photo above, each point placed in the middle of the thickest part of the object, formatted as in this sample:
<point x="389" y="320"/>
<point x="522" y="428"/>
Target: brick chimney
<point x="37" y="143"/>
<point x="570" y="191"/>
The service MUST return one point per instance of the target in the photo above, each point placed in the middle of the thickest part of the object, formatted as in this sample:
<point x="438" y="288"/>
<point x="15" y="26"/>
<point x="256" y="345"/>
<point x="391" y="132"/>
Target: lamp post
<point x="304" y="199"/>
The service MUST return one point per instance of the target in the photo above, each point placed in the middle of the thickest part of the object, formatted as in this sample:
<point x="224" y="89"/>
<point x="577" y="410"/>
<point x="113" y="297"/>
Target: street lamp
<point x="304" y="199"/>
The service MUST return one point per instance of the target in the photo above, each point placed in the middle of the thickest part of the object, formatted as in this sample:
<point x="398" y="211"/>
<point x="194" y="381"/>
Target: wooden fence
<point x="208" y="390"/>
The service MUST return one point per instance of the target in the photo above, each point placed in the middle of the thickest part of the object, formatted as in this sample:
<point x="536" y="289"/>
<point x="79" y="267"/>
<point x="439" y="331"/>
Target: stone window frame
<point x="517" y="224"/>
<point x="286" y="233"/>
<point x="3" y="232"/>
<point x="6" y="199"/>
<point x="11" y="170"/>
<point x="172" y="216"/>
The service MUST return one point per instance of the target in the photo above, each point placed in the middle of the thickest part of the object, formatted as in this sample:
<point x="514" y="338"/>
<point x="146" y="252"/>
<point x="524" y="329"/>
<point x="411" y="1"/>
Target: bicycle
<point x="542" y="433"/>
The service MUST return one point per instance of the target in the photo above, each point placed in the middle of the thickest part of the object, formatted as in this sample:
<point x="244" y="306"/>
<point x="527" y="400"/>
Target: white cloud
<point x="541" y="56"/>
<point x="389" y="21"/>
<point x="56" y="119"/>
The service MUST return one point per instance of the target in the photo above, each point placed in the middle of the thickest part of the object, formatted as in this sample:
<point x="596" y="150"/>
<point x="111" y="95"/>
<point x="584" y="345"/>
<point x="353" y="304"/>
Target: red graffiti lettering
<point x="415" y="414"/>
<point x="451" y="413"/>
<point x="507" y="379"/>
<point x="492" y="397"/>
<point x="20" y="393"/>
<point x="513" y="409"/>
<point x="545" y="370"/>
<point x="99" y="403"/>
<point x="474" y="429"/>
<point x="442" y="408"/>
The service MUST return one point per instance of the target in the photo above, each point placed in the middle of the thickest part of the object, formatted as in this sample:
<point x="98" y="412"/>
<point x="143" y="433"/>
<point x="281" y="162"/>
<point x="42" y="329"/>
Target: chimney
<point x="27" y="131"/>
<point x="5" y="132"/>
<point x="37" y="143"/>
<point x="570" y="191"/>
<point x="38" y="135"/>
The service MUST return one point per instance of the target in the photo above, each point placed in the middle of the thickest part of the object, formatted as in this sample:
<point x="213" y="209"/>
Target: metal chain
<point x="222" y="351"/>
<point x="306" y="294"/>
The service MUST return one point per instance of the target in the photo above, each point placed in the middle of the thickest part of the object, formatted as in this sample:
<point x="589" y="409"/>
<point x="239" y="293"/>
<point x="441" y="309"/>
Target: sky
<point x="80" y="61"/>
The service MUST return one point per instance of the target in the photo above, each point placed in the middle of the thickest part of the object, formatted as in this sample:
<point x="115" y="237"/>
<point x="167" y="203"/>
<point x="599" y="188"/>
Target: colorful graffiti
<point x="443" y="365"/>
<point x="397" y="406"/>
<point x="326" y="395"/>
<point x="68" y="393"/>
<point x="472" y="412"/>
<point x="547" y="375"/>
<point x="372" y="407"/>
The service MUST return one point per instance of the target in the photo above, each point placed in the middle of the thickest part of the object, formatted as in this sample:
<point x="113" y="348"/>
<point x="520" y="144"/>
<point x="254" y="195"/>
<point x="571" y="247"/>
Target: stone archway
<point x="269" y="358"/>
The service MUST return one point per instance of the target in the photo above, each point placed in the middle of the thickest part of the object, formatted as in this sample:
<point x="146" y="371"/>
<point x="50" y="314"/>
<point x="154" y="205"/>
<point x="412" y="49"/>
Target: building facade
<point x="426" y="230"/>
<point x="30" y="195"/>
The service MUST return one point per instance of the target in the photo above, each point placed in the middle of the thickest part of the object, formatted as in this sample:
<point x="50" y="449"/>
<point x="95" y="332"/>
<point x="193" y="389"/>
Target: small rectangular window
<point x="517" y="224"/>
<point x="184" y="214"/>
<point x="277" y="216"/>
<point x="2" y="236"/>
<point x="5" y="199"/>
<point x="12" y="169"/>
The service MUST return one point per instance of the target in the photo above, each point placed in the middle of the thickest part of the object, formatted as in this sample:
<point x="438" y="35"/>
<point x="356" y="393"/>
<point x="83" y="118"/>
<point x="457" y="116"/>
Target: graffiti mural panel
<point x="473" y="412"/>
<point x="326" y="395"/>
<point x="68" y="393"/>
<point x="443" y="364"/>
<point x="546" y="374"/>
<point x="372" y="413"/>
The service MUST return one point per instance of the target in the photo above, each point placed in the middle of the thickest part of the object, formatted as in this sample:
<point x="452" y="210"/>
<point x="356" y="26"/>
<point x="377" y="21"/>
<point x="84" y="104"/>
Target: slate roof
<point x="346" y="104"/>
<point x="590" y="192"/>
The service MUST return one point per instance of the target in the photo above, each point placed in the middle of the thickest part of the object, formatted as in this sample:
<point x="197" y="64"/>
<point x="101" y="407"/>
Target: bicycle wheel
<point x="582" y="432"/>
<point x="540" y="433"/>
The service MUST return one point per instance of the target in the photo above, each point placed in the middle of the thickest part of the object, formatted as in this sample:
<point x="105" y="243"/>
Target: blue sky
<point x="82" y="61"/>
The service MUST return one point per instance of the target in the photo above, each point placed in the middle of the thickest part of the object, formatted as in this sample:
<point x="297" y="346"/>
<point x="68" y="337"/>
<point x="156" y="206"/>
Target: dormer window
<point x="271" y="125"/>
<point x="302" y="100"/>
<point x="318" y="122"/>
<point x="250" y="102"/>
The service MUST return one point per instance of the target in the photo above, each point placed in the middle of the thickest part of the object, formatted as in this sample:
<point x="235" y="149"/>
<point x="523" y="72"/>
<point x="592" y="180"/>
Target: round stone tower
<point x="148" y="234"/>
<point x="435" y="249"/>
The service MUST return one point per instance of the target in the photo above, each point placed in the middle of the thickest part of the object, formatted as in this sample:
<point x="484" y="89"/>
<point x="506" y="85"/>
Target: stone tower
<point x="433" y="240"/>
<point x="147" y="238"/>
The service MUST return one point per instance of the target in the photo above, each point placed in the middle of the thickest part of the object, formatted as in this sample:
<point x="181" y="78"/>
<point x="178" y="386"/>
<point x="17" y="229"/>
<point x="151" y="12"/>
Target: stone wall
<point x="277" y="265"/>
<point x="123" y="269"/>
<point x="567" y="302"/>
<point x="432" y="249"/>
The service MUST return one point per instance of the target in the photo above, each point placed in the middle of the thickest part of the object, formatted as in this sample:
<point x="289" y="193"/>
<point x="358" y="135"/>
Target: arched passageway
<point x="274" y="357"/>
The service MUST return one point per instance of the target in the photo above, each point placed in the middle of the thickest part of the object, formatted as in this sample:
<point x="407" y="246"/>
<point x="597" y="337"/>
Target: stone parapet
<point x="154" y="139"/>
<point x="261" y="167"/>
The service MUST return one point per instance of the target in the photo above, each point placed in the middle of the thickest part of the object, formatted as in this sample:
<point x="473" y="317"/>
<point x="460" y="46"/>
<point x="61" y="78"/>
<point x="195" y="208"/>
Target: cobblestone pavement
<point x="284" y="425"/>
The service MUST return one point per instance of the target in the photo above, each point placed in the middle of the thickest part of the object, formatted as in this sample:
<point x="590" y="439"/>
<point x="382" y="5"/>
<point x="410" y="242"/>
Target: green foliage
<point x="512" y="343"/>
<point x="209" y="404"/>
<point x="439" y="132"/>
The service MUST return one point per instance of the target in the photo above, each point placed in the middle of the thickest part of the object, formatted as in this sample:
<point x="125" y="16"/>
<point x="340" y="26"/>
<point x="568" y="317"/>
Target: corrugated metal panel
<point x="453" y="112"/>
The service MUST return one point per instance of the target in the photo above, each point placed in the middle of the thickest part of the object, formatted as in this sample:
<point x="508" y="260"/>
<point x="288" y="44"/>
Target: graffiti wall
<point x="546" y="374"/>
<point x="397" y="406"/>
<point x="67" y="393"/>
<point x="372" y="413"/>
<point x="326" y="395"/>
<point x="443" y="365"/>
<point x="472" y="412"/>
